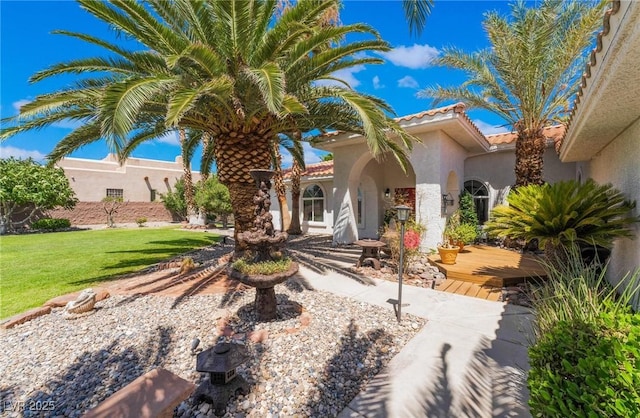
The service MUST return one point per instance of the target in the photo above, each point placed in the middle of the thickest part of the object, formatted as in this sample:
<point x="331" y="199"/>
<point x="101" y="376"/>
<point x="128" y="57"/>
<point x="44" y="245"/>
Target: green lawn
<point x="37" y="267"/>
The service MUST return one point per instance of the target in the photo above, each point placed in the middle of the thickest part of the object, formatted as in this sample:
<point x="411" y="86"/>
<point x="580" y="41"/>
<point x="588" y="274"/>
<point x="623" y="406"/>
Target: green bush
<point x="51" y="224"/>
<point x="564" y="214"/>
<point x="586" y="357"/>
<point x="141" y="221"/>
<point x="587" y="369"/>
<point x="263" y="267"/>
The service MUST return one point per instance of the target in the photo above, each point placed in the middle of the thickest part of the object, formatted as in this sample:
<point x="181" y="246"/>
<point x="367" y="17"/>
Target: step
<point x="154" y="394"/>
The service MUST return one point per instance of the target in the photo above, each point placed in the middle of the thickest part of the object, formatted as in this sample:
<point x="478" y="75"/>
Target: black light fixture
<point x="402" y="213"/>
<point x="447" y="200"/>
<point x="387" y="193"/>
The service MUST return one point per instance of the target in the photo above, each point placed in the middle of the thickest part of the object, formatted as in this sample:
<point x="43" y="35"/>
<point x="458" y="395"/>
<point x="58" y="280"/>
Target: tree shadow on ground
<point x="357" y="361"/>
<point x="486" y="389"/>
<point x="94" y="376"/>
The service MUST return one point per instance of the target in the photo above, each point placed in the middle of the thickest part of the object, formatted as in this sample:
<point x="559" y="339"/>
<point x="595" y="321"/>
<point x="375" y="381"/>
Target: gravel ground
<point x="316" y="357"/>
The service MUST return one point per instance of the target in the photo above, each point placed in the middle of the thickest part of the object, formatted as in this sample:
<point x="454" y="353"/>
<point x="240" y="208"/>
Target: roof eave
<point x="609" y="98"/>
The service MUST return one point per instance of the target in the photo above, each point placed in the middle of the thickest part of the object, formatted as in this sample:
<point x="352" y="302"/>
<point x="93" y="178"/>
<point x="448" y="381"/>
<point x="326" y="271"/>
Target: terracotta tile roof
<point x="606" y="27"/>
<point x="554" y="133"/>
<point x="456" y="108"/>
<point x="321" y="169"/>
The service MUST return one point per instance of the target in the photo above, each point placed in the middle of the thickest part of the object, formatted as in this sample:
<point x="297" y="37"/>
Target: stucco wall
<point x="619" y="163"/>
<point x="90" y="179"/>
<point x="92" y="213"/>
<point x="325" y="227"/>
<point x="496" y="170"/>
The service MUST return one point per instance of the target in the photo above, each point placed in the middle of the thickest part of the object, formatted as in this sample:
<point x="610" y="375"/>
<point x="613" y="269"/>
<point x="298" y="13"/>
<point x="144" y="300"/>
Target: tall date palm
<point x="529" y="74"/>
<point x="230" y="69"/>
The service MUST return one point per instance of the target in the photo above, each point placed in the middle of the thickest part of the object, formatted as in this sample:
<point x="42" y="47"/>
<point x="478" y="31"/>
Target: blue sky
<point x="27" y="46"/>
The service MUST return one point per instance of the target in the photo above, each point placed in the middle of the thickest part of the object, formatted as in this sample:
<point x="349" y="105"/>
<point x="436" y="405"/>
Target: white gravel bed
<point x="69" y="366"/>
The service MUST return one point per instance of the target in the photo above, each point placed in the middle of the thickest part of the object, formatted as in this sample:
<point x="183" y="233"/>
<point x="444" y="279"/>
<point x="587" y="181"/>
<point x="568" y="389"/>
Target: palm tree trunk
<point x="188" y="180"/>
<point x="294" y="227"/>
<point x="530" y="147"/>
<point x="235" y="156"/>
<point x="280" y="189"/>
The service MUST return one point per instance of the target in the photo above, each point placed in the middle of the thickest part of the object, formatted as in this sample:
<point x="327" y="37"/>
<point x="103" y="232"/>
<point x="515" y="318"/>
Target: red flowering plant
<point x="412" y="237"/>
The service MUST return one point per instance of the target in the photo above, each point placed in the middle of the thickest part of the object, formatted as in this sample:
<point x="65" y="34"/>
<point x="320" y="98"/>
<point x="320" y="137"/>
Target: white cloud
<point x="414" y="57"/>
<point x="170" y="138"/>
<point x="9" y="151"/>
<point x="488" y="128"/>
<point x="346" y="74"/>
<point x="17" y="105"/>
<point x="311" y="155"/>
<point x="408" y="82"/>
<point x="376" y="83"/>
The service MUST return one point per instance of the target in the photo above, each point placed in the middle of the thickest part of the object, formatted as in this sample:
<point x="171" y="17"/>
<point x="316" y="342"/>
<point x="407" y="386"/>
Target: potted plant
<point x="448" y="252"/>
<point x="463" y="234"/>
<point x="447" y="249"/>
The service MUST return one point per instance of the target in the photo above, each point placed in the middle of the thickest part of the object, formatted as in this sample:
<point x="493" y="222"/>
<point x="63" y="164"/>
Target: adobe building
<point x="139" y="182"/>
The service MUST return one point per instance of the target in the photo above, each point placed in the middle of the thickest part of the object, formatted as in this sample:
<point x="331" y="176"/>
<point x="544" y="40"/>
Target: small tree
<point x="27" y="188"/>
<point x="111" y="206"/>
<point x="174" y="200"/>
<point x="468" y="214"/>
<point x="214" y="197"/>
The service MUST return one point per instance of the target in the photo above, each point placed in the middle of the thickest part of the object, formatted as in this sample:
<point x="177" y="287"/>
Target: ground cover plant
<point x="37" y="267"/>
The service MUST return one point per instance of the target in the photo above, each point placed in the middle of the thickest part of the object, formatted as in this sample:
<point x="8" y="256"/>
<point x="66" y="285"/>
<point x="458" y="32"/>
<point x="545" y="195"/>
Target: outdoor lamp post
<point x="402" y="212"/>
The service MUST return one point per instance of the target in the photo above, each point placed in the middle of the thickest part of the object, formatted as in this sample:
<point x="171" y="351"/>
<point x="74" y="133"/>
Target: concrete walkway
<point x="469" y="360"/>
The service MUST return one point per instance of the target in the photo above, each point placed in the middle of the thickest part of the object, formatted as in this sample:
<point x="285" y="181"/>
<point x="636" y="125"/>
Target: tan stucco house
<point x="135" y="180"/>
<point x="348" y="197"/>
<point x="603" y="135"/>
<point x="138" y="182"/>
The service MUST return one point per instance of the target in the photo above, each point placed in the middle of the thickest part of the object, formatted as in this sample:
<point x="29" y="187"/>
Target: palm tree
<point x="416" y="12"/>
<point x="296" y="173"/>
<point x="529" y="74"/>
<point x="189" y="195"/>
<point x="226" y="68"/>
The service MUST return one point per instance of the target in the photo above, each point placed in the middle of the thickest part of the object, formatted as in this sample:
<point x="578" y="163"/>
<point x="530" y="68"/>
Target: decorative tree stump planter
<point x="263" y="241"/>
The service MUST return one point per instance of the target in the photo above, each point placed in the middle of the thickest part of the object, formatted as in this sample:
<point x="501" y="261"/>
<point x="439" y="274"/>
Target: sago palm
<point x="230" y="69"/>
<point x="529" y="74"/>
<point x="564" y="214"/>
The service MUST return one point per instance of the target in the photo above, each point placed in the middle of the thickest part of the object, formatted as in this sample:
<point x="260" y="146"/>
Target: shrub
<point x="587" y="369"/>
<point x="51" y="224"/>
<point x="263" y="267"/>
<point x="586" y="358"/>
<point x="412" y="236"/>
<point x="187" y="265"/>
<point x="468" y="213"/>
<point x="564" y="214"/>
<point x="579" y="292"/>
<point x="141" y="221"/>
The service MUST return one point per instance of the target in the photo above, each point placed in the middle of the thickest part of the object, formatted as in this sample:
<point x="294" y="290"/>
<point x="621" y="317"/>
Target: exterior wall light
<point x="447" y="200"/>
<point x="387" y="193"/>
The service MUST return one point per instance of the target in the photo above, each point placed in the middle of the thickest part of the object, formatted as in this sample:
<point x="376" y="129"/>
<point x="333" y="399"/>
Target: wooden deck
<point x="489" y="266"/>
<point x="460" y="287"/>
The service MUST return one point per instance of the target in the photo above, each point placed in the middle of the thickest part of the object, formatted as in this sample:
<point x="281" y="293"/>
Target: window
<point x="115" y="193"/>
<point x="153" y="195"/>
<point x="313" y="204"/>
<point x="480" y="198"/>
<point x="360" y="209"/>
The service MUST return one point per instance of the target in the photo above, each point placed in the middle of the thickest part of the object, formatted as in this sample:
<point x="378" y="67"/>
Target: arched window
<point x="313" y="204"/>
<point x="480" y="198"/>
